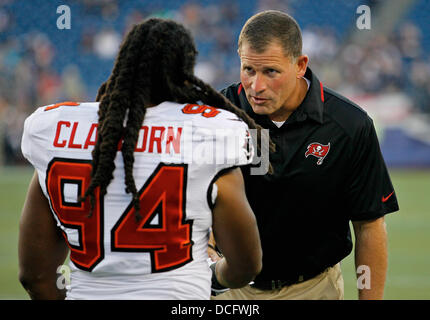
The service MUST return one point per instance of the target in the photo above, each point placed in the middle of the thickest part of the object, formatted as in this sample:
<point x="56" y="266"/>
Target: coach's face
<point x="272" y="81"/>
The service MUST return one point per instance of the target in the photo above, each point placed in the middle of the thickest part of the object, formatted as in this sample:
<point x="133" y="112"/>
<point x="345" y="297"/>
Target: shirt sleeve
<point x="233" y="148"/>
<point x="370" y="193"/>
<point x="26" y="139"/>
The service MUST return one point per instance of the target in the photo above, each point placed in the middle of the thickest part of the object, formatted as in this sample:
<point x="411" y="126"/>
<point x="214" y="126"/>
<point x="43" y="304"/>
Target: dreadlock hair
<point x="155" y="63"/>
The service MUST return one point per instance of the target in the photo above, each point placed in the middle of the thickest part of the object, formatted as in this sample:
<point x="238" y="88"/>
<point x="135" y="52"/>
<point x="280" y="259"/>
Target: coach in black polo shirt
<point x="328" y="170"/>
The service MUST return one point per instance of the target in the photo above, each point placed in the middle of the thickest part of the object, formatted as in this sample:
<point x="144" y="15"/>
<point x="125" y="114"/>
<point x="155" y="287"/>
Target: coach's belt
<point x="278" y="284"/>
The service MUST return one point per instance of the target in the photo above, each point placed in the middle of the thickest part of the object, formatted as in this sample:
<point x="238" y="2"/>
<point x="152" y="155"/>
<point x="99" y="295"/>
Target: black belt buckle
<point x="270" y="284"/>
<point x="279" y="284"/>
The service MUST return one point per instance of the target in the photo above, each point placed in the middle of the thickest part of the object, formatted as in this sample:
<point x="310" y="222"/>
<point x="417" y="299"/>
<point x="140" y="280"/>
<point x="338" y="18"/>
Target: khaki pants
<point x="326" y="286"/>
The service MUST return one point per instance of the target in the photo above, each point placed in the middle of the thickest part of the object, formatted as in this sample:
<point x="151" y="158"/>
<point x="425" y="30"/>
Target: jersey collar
<point x="313" y="105"/>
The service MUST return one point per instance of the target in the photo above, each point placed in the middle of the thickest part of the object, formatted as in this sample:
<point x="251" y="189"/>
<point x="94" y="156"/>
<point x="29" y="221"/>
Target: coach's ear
<point x="301" y="65"/>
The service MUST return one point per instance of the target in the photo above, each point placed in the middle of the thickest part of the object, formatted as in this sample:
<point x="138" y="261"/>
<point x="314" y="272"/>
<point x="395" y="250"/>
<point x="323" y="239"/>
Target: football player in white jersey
<point x="132" y="185"/>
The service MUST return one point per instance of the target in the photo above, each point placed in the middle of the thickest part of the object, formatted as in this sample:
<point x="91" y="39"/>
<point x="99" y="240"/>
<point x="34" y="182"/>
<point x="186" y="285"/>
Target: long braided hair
<point x="155" y="63"/>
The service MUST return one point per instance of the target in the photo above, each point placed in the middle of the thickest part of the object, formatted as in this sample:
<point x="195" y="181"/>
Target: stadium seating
<point x="26" y="24"/>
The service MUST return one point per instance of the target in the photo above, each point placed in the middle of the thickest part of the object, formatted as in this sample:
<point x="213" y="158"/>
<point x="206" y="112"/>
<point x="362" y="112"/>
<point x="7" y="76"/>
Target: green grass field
<point x="408" y="230"/>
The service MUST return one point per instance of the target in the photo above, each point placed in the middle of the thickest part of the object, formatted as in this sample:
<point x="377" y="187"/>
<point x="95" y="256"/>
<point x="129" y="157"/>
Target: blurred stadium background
<point x="385" y="69"/>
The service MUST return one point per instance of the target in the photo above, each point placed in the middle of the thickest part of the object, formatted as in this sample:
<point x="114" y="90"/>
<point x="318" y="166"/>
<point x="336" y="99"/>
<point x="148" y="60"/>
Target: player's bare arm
<point x="371" y="251"/>
<point x="236" y="233"/>
<point x="41" y="248"/>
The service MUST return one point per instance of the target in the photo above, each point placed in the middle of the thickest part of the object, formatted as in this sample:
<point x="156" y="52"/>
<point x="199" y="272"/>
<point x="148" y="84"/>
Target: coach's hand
<point x="216" y="287"/>
<point x="213" y="253"/>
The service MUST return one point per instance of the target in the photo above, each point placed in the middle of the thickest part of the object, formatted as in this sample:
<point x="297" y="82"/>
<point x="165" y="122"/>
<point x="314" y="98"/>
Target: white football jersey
<point x="181" y="150"/>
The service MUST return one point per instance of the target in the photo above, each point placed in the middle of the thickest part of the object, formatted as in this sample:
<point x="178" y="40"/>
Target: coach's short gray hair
<point x="263" y="28"/>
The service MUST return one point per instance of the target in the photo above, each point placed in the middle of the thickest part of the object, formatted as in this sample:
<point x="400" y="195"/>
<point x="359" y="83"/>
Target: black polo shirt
<point x="328" y="170"/>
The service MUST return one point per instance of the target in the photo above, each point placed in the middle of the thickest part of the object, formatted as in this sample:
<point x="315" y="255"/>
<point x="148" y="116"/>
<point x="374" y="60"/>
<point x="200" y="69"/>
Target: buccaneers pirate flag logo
<point x="318" y="150"/>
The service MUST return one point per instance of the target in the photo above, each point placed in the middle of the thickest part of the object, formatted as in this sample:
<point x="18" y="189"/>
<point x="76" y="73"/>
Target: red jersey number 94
<point x="169" y="243"/>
